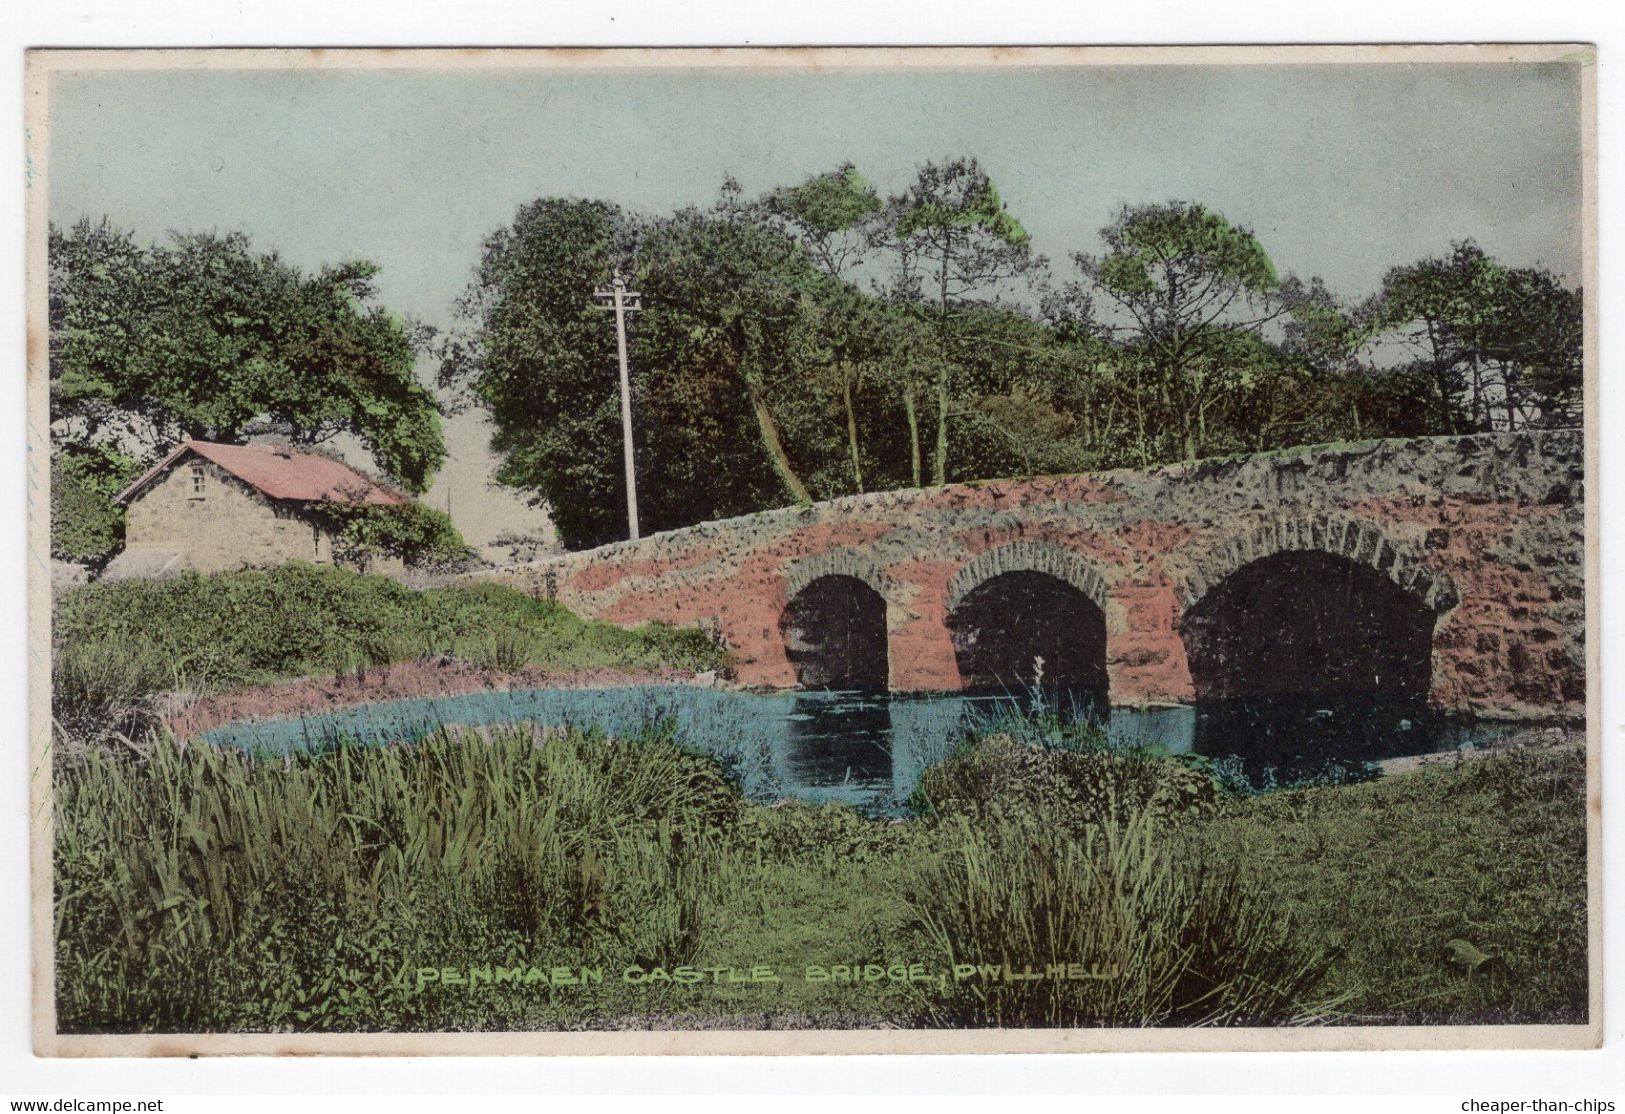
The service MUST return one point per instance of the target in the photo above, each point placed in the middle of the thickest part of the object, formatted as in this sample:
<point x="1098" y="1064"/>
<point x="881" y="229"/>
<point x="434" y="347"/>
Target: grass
<point x="1390" y="873"/>
<point x="116" y="646"/>
<point x="203" y="890"/>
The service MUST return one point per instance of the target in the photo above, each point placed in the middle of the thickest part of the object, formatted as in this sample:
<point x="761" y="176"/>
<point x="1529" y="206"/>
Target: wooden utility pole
<point x="624" y="301"/>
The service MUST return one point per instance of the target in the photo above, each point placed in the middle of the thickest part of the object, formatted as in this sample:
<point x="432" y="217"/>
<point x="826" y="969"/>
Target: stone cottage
<point x="213" y="507"/>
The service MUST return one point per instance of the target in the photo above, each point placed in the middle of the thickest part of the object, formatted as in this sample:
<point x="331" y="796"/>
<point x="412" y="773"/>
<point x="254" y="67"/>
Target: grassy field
<point x="530" y="879"/>
<point x="116" y="646"/>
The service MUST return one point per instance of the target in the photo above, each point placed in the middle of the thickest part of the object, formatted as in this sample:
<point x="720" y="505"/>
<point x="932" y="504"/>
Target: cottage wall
<point x="228" y="525"/>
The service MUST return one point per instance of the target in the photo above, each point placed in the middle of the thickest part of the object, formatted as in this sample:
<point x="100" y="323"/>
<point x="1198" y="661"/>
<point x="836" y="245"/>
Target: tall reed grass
<point x="198" y="888"/>
<point x="1121" y="930"/>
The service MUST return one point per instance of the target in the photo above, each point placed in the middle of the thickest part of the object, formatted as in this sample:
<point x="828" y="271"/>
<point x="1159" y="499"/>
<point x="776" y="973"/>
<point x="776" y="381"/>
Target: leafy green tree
<point x="728" y="333"/>
<point x="735" y="304"/>
<point x="420" y="536"/>
<point x="1440" y="311"/>
<point x="1185" y="283"/>
<point x="1537" y="342"/>
<point x="86" y="525"/>
<point x="1498" y="347"/>
<point x="204" y="337"/>
<point x="952" y="239"/>
<point x="535" y="351"/>
<point x="207" y="338"/>
<point x="833" y="216"/>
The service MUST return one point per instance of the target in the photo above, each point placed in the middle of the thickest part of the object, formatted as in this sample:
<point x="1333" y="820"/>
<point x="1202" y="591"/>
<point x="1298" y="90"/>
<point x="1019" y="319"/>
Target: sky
<point x="1341" y="170"/>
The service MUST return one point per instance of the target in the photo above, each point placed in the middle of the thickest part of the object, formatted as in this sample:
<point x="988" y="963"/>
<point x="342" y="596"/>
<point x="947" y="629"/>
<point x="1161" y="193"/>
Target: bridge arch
<point x="1028" y="556"/>
<point x="1313" y="608"/>
<point x="836" y="562"/>
<point x="1027" y="602"/>
<point x="1359" y="542"/>
<point x="834" y="621"/>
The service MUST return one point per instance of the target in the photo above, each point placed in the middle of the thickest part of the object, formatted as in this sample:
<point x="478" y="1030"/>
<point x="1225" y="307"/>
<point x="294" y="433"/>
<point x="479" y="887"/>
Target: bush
<point x="1166" y="940"/>
<point x="115" y="643"/>
<point x="86" y="525"/>
<point x="200" y="889"/>
<point x="1074" y="789"/>
<point x="420" y="536"/>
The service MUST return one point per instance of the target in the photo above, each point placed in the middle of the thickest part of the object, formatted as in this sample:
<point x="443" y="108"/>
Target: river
<point x="868" y="750"/>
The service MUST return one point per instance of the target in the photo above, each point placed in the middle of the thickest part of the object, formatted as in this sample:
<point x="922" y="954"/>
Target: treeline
<point x="821" y="340"/>
<point x="816" y="341"/>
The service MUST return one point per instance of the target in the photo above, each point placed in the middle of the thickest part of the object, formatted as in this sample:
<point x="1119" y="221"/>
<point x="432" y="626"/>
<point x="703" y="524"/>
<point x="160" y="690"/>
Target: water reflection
<point x="839" y="740"/>
<point x="1298" y="736"/>
<point x="870" y="749"/>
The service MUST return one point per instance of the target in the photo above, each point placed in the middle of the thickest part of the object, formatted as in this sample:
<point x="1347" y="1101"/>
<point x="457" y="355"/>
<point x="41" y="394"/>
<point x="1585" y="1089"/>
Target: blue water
<point x="869" y="750"/>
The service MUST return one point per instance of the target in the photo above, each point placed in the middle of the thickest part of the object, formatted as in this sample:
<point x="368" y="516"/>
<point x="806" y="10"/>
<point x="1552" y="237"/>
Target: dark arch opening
<point x="1304" y="657"/>
<point x="1308" y="622"/>
<point x="835" y="635"/>
<point x="1008" y="621"/>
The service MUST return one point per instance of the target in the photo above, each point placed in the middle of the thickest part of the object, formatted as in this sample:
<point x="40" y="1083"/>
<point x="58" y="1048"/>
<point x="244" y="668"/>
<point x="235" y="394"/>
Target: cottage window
<point x="199" y="477"/>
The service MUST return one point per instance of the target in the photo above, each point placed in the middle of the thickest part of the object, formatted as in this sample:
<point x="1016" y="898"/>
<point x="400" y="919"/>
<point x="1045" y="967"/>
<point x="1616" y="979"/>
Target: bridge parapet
<point x="1486" y="532"/>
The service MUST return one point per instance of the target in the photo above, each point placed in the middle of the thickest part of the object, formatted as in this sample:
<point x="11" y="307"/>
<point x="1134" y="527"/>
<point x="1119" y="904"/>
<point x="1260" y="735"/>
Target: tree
<point x="832" y="215"/>
<point x="1498" y="347"/>
<point x="1439" y="310"/>
<point x="204" y="337"/>
<point x="727" y="343"/>
<point x="735" y="303"/>
<point x="1188" y="282"/>
<point x="952" y="237"/>
<point x="1537" y="341"/>
<point x="532" y="348"/>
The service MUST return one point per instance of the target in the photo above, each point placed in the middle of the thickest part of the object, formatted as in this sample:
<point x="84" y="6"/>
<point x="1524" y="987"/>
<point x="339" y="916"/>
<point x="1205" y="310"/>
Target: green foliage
<point x="1497" y="348"/>
<point x="1073" y="789"/>
<point x="1153" y="249"/>
<point x="539" y="356"/>
<point x="1388" y="873"/>
<point x="205" y="337"/>
<point x="958" y="195"/>
<point x="86" y="525"/>
<point x="116" y="645"/>
<point x="1170" y="940"/>
<point x="202" y="890"/>
<point x="821" y="209"/>
<point x="421" y="536"/>
<point x="765" y="375"/>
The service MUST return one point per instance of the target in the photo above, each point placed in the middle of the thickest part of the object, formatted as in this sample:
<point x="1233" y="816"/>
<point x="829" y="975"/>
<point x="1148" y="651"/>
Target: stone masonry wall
<point x="1486" y="531"/>
<point x="231" y="526"/>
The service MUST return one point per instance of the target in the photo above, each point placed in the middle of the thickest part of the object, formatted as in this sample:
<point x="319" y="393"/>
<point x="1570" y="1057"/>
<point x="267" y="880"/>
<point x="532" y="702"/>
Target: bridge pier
<point x="1486" y="533"/>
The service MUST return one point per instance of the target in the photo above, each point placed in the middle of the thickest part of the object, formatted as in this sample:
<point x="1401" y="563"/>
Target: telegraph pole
<point x="624" y="301"/>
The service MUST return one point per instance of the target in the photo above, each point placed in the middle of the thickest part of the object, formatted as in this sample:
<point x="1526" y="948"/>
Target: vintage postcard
<point x="953" y="550"/>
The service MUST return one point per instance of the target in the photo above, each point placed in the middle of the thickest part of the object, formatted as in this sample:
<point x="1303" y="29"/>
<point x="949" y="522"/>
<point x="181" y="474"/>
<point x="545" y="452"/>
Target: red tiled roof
<point x="280" y="472"/>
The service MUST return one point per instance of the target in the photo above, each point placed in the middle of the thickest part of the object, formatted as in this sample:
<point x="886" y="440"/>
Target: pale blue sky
<point x="1342" y="170"/>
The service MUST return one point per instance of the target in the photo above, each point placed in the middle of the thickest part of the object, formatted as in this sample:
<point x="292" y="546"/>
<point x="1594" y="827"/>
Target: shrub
<point x="420" y="536"/>
<point x="1074" y="789"/>
<point x="198" y="888"/>
<point x="1167" y="939"/>
<point x="116" y="644"/>
<point x="86" y="525"/>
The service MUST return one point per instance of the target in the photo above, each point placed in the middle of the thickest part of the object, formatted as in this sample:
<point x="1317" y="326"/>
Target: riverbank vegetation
<point x="532" y="879"/>
<point x="117" y="647"/>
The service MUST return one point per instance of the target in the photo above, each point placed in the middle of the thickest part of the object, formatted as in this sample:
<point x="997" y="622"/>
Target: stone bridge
<point x="1449" y="569"/>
